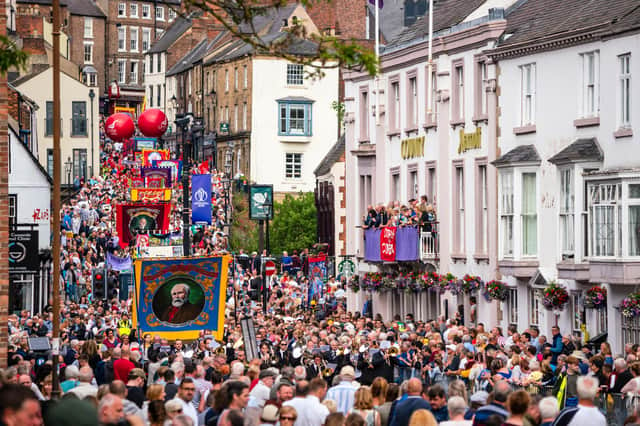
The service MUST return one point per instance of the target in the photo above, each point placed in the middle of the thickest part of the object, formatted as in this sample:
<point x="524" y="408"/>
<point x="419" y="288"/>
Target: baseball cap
<point x="137" y="372"/>
<point x="267" y="373"/>
<point x="348" y="371"/>
<point x="269" y="413"/>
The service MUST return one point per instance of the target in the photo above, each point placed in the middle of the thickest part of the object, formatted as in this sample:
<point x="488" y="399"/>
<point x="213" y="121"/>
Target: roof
<point x="46" y="2"/>
<point x="529" y="20"/>
<point x="85" y="8"/>
<point x="192" y="56"/>
<point x="269" y="22"/>
<point x="519" y="155"/>
<point x="580" y="150"/>
<point x="173" y="33"/>
<point x="332" y="157"/>
<point x="446" y="13"/>
<point x="391" y="19"/>
<point x="13" y="125"/>
<point x="295" y="99"/>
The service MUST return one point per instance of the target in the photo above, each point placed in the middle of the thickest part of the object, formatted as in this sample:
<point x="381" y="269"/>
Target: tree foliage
<point x="294" y="223"/>
<point x="237" y="16"/>
<point x="10" y="55"/>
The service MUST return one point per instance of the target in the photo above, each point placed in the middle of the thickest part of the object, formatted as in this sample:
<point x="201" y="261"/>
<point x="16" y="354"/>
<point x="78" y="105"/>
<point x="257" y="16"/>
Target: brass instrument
<point x="220" y="351"/>
<point x="394" y="351"/>
<point x="327" y="372"/>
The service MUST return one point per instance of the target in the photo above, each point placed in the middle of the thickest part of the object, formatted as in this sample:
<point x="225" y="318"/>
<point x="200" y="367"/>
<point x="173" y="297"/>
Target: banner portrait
<point x="141" y="218"/>
<point x="174" y="165"/>
<point x="178" y="297"/>
<point x="388" y="244"/>
<point x="150" y="194"/>
<point x="156" y="172"/>
<point x="151" y="155"/>
<point x="201" y="198"/>
<point x="119" y="263"/>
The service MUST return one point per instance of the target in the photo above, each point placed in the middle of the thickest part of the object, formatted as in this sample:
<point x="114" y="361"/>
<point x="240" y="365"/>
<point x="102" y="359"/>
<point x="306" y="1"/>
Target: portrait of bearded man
<point x="180" y="310"/>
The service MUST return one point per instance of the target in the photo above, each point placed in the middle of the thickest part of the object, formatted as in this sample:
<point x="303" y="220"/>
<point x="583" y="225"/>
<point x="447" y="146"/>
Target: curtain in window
<point x="634" y="230"/>
<point x="529" y="217"/>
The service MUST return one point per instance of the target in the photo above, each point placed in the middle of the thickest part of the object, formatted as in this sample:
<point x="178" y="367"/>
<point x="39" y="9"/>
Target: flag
<point x="380" y="3"/>
<point x="119" y="263"/>
<point x="201" y="198"/>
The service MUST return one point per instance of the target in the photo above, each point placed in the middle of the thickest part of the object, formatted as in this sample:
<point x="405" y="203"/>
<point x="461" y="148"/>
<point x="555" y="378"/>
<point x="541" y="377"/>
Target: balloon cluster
<point x="152" y="123"/>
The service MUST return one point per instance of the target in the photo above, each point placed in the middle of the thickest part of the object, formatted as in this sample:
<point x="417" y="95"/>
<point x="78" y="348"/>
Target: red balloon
<point x="119" y="127"/>
<point x="153" y="123"/>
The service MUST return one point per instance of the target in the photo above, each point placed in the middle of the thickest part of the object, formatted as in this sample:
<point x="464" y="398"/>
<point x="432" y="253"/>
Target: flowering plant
<point x="354" y="283"/>
<point x="450" y="282"/>
<point x="555" y="296"/>
<point x="596" y="297"/>
<point x="430" y="281"/>
<point x="372" y="281"/>
<point x="630" y="305"/>
<point x="496" y="290"/>
<point x="471" y="283"/>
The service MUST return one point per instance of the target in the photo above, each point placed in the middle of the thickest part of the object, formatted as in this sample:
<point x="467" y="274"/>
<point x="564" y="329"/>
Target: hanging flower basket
<point x="596" y="298"/>
<point x="449" y="282"/>
<point x="630" y="305"/>
<point x="471" y="283"/>
<point x="354" y="283"/>
<point x="430" y="281"/>
<point x="555" y="296"/>
<point x="496" y="290"/>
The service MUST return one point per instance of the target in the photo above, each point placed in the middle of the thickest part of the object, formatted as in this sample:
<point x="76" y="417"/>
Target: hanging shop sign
<point x="23" y="252"/>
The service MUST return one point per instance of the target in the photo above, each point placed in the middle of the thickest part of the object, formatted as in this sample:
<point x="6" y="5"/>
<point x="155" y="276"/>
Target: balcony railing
<point x="402" y="244"/>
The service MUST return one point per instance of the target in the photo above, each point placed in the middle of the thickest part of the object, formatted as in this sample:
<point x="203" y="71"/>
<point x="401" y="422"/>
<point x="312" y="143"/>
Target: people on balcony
<point x="415" y="213"/>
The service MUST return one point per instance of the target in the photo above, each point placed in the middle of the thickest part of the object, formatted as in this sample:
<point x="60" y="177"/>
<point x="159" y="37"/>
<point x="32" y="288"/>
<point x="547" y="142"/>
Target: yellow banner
<point x="150" y="194"/>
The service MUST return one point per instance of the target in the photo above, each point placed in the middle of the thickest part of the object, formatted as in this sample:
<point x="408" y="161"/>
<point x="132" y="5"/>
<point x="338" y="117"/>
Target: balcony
<point x="401" y="244"/>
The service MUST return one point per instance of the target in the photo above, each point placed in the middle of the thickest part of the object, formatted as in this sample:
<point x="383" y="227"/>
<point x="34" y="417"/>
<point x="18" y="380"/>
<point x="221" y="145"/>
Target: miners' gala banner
<point x="150" y="194"/>
<point x="151" y="155"/>
<point x="141" y="218"/>
<point x="156" y="172"/>
<point x="179" y="297"/>
<point x="388" y="244"/>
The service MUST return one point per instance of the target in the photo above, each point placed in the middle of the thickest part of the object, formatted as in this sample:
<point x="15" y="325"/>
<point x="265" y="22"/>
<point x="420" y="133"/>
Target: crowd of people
<point x="316" y="363"/>
<point x="415" y="213"/>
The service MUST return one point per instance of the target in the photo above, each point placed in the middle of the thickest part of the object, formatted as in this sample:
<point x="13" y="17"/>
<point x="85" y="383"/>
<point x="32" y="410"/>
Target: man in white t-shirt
<point x="586" y="413"/>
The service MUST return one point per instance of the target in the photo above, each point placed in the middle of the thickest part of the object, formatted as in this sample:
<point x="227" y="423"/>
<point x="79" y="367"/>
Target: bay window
<point x="567" y="208"/>
<point x="634" y="219"/>
<point x="529" y="215"/>
<point x="605" y="219"/>
<point x="506" y="212"/>
<point x="294" y="118"/>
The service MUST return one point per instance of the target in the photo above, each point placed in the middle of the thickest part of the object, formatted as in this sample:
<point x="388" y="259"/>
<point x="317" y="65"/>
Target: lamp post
<point x="92" y="96"/>
<point x="184" y="123"/>
<point x="227" y="183"/>
<point x="68" y="167"/>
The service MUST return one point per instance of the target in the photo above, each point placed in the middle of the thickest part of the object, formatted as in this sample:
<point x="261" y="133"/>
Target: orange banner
<point x="148" y="194"/>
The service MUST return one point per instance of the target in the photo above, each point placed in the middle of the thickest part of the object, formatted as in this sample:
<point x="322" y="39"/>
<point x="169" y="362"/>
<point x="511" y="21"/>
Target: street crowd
<point x="317" y="364"/>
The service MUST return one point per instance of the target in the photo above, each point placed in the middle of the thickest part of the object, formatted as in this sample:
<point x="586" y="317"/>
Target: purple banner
<point x="407" y="244"/>
<point x="372" y="245"/>
<point x="161" y="172"/>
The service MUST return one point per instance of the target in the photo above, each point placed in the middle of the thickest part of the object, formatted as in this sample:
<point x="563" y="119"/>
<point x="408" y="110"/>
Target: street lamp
<point x="227" y="183"/>
<point x="92" y="96"/>
<point x="184" y="123"/>
<point x="68" y="166"/>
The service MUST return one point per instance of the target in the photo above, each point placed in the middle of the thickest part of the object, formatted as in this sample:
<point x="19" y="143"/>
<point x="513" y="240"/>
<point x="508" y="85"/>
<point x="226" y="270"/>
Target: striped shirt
<point x="343" y="394"/>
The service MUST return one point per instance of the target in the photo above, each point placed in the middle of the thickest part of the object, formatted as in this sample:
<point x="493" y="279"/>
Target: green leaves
<point x="10" y="55"/>
<point x="294" y="223"/>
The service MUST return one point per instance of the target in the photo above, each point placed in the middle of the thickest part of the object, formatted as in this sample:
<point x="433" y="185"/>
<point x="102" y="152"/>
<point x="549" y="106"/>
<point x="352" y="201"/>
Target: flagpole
<point x="377" y="47"/>
<point x="430" y="66"/>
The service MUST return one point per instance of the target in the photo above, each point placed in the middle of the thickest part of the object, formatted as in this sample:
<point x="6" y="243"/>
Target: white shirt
<point x="344" y="396"/>
<point x="310" y="411"/>
<point x="189" y="410"/>
<point x="259" y="395"/>
<point x="588" y="416"/>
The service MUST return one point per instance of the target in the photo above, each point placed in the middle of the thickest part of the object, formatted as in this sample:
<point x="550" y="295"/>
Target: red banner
<point x="141" y="218"/>
<point x="388" y="244"/>
<point x="155" y="182"/>
<point x="137" y="182"/>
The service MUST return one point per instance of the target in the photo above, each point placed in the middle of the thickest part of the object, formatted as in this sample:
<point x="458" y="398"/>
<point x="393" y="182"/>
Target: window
<point x="412" y="102"/>
<point x="481" y="81"/>
<point x="412" y="189"/>
<point x="624" y="115"/>
<point x="226" y="114"/>
<point x="459" y="223"/>
<point x="50" y="162"/>
<point x="133" y="39"/>
<point x="293" y="166"/>
<point x="576" y="311"/>
<point x="535" y="306"/>
<point x="146" y="11"/>
<point x="364" y="115"/>
<point x="122" y="38"/>
<point x="295" y="75"/>
<point x="226" y="80"/>
<point x="235" y="118"/>
<point x="88" y="53"/>
<point x="122" y="9"/>
<point x="590" y="84"/>
<point x="567" y="207"/>
<point x="133" y="72"/>
<point x="482" y="213"/>
<point x="395" y="186"/>
<point x="49" y="119"/>
<point x="244" y="116"/>
<point x="246" y="77"/>
<point x="431" y="183"/>
<point x="159" y="63"/>
<point x="146" y="39"/>
<point x="506" y="212"/>
<point x="13" y="208"/>
<point x="512" y="306"/>
<point x="79" y="164"/>
<point x="159" y="13"/>
<point x="527" y="94"/>
<point x="172" y="14"/>
<point x="431" y="107"/>
<point x="394" y="106"/>
<point x="151" y="63"/>
<point x="79" y="120"/>
<point x="529" y="215"/>
<point x="133" y="10"/>
<point x="235" y="78"/>
<point x="151" y="96"/>
<point x="158" y="96"/>
<point x="634" y="219"/>
<point x="458" y="92"/>
<point x="295" y="119"/>
<point x="605" y="219"/>
<point x="88" y="27"/>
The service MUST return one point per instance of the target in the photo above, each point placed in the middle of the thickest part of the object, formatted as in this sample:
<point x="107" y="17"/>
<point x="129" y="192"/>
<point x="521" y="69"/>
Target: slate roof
<point x="519" y="154"/>
<point x="530" y="20"/>
<point x="446" y="13"/>
<point x="332" y="157"/>
<point x="580" y="150"/>
<point x="295" y="99"/>
<point x="391" y="19"/>
<point x="173" y="33"/>
<point x="85" y="8"/>
<point x="270" y="22"/>
<point x="191" y="57"/>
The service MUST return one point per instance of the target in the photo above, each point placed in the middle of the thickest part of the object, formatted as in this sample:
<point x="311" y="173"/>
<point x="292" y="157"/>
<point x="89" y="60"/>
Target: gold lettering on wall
<point x="412" y="147"/>
<point x="470" y="140"/>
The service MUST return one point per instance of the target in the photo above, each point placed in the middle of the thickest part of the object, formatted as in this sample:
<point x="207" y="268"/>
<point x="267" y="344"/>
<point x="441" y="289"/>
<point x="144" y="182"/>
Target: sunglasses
<point x="291" y="419"/>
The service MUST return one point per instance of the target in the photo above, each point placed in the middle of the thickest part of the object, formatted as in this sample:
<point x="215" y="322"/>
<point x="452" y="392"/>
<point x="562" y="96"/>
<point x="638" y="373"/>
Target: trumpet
<point x="394" y="351"/>
<point x="220" y="351"/>
<point x="327" y="372"/>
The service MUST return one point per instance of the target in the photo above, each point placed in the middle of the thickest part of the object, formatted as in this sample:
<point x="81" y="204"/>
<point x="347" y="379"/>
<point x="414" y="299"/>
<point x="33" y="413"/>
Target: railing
<point x="430" y="243"/>
<point x="402" y="244"/>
